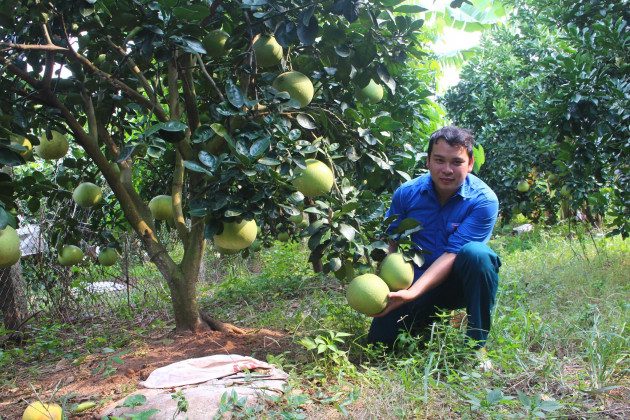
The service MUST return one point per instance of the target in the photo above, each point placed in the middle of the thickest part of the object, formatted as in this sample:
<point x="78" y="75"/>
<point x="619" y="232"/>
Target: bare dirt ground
<point x="65" y="377"/>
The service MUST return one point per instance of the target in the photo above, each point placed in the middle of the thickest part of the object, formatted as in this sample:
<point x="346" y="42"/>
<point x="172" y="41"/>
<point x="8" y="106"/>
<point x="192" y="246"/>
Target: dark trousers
<point x="472" y="284"/>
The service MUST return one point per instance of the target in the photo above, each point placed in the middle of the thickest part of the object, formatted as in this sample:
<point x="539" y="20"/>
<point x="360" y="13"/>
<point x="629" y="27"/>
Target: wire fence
<point x="38" y="285"/>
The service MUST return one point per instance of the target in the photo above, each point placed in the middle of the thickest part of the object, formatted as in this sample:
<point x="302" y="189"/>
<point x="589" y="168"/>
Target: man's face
<point x="448" y="166"/>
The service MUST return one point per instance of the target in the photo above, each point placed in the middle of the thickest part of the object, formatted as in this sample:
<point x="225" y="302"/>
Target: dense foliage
<point x="145" y="86"/>
<point x="549" y="98"/>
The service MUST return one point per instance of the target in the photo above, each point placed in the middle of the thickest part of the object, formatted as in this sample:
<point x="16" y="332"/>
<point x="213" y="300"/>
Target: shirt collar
<point x="426" y="186"/>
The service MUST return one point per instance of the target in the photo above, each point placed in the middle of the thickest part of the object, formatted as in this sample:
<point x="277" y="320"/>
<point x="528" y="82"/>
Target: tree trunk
<point x="12" y="297"/>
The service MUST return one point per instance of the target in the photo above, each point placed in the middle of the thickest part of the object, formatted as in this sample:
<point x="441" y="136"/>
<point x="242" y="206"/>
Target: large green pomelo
<point x="396" y="272"/>
<point x="367" y="294"/>
<point x="9" y="247"/>
<point x="161" y="207"/>
<point x="283" y="236"/>
<point x="523" y="186"/>
<point x="268" y="51"/>
<point x="70" y="255"/>
<point x="316" y="179"/>
<point x="237" y="236"/>
<point x="24" y="142"/>
<point x="373" y="93"/>
<point x="214" y="43"/>
<point x="107" y="257"/>
<point x="87" y="194"/>
<point x="225" y="251"/>
<point x="53" y="148"/>
<point x="297" y="85"/>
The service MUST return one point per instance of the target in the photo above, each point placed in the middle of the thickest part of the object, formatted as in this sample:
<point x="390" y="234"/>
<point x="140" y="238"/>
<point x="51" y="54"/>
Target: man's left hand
<point x="396" y="300"/>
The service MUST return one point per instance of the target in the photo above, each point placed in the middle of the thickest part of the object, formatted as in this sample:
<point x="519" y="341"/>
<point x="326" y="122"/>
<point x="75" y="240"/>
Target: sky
<point x="454" y="39"/>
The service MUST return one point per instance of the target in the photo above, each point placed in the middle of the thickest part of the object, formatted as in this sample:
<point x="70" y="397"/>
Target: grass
<point x="560" y="343"/>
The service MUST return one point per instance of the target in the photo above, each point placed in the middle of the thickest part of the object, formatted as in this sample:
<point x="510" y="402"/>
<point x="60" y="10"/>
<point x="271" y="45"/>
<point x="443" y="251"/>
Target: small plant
<point x="107" y="366"/>
<point x="537" y="406"/>
<point x="132" y="402"/>
<point x="182" y="403"/>
<point x="325" y="348"/>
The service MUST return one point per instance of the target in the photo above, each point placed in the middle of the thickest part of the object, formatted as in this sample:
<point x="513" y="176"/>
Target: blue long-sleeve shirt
<point x="467" y="216"/>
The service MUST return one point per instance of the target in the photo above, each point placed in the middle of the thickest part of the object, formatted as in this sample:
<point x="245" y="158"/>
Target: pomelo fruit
<point x="297" y="85"/>
<point x="523" y="186"/>
<point x="70" y="255"/>
<point x="53" y="148"/>
<point x="24" y="142"/>
<point x="367" y="294"/>
<point x="161" y="207"/>
<point x="225" y="251"/>
<point x="297" y="218"/>
<point x="396" y="272"/>
<point x="107" y="257"/>
<point x="565" y="191"/>
<point x="9" y="247"/>
<point x="268" y="51"/>
<point x="316" y="179"/>
<point x="214" y="43"/>
<point x="87" y="194"/>
<point x="237" y="235"/>
<point x="372" y="93"/>
<point x="39" y="411"/>
<point x="283" y="236"/>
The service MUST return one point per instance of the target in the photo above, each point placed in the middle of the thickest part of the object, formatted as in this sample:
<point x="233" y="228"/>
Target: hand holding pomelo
<point x="367" y="294"/>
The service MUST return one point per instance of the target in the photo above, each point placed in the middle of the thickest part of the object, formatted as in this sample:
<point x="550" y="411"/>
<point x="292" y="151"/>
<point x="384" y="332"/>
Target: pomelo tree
<point x="549" y="100"/>
<point x="156" y="100"/>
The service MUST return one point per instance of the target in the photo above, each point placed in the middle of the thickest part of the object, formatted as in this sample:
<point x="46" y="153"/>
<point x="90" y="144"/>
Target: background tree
<point x="548" y="97"/>
<point x="168" y="98"/>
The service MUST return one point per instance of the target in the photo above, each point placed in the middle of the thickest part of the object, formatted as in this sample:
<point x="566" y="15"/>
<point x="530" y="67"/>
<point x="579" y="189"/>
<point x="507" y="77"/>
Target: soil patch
<point x="81" y="380"/>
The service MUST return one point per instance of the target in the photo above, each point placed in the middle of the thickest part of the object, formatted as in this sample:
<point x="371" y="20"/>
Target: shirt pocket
<point x="451" y="228"/>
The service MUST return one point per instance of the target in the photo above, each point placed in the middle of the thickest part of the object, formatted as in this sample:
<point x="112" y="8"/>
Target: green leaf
<point x="195" y="167"/>
<point x="259" y="147"/>
<point x="192" y="12"/>
<point x="234" y="95"/>
<point x="347" y="231"/>
<point x="409" y="8"/>
<point x="408" y="226"/>
<point x="387" y="123"/>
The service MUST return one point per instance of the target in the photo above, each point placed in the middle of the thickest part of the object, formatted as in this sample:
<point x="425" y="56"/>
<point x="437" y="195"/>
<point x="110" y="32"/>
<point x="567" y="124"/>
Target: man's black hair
<point x="454" y="136"/>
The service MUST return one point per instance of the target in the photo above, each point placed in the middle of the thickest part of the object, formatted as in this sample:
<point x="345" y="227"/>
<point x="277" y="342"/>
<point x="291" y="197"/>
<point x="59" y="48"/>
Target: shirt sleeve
<point x="477" y="226"/>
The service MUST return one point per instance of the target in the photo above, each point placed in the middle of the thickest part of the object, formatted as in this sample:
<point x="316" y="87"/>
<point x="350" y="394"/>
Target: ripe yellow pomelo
<point x="38" y="411"/>
<point x="268" y="51"/>
<point x="523" y="186"/>
<point x="316" y="179"/>
<point x="367" y="294"/>
<point x="9" y="247"/>
<point x="237" y="236"/>
<point x="87" y="194"/>
<point x="161" y="207"/>
<point x="373" y="92"/>
<point x="297" y="85"/>
<point x="24" y="142"/>
<point x="70" y="255"/>
<point x="107" y="257"/>
<point x="214" y="43"/>
<point x="396" y="272"/>
<point x="54" y="147"/>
